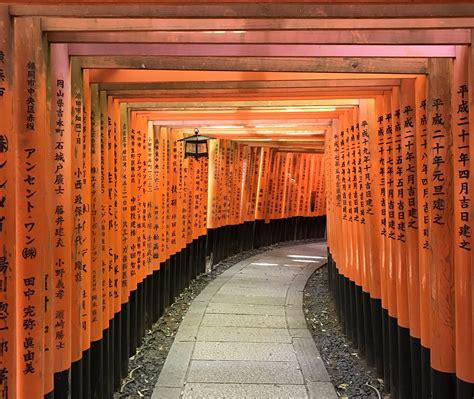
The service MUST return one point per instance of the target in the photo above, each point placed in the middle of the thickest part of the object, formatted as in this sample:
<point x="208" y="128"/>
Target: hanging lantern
<point x="196" y="146"/>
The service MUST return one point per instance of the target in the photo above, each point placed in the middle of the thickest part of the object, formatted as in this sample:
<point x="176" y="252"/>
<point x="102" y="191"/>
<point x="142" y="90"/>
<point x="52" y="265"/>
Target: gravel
<point x="349" y="373"/>
<point x="145" y="366"/>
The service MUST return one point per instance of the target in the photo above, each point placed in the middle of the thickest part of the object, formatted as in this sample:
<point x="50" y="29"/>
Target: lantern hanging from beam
<point x="196" y="146"/>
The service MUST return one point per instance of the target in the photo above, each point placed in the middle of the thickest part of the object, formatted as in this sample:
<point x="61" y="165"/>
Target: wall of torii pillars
<point x="398" y="183"/>
<point x="103" y="221"/>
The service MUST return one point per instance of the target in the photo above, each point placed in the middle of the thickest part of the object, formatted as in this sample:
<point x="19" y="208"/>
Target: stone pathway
<point x="245" y="335"/>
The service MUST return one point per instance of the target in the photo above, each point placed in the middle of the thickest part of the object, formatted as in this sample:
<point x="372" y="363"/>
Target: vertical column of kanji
<point x="157" y="255"/>
<point x="105" y="239"/>
<point x="294" y="190"/>
<point x="32" y="249"/>
<point x="345" y="261"/>
<point x="336" y="205"/>
<point x="441" y="215"/>
<point x="180" y="214"/>
<point x="8" y="268"/>
<point x="143" y="234"/>
<point x="462" y="225"/>
<point x="391" y="254"/>
<point x="353" y="263"/>
<point x="78" y="268"/>
<point x="285" y="184"/>
<point x="164" y="213"/>
<point x="422" y="182"/>
<point x="86" y="232"/>
<point x="213" y="184"/>
<point x="408" y="123"/>
<point x="124" y="254"/>
<point x="252" y="164"/>
<point x="204" y="195"/>
<point x="117" y="230"/>
<point x="62" y="225"/>
<point x="97" y="314"/>
<point x="406" y="227"/>
<point x="471" y="175"/>
<point x="76" y="155"/>
<point x="149" y="225"/>
<point x="363" y="239"/>
<point x="246" y="185"/>
<point x="115" y="176"/>
<point x="132" y="208"/>
<point x="262" y="182"/>
<point x="372" y="197"/>
<point x="399" y="251"/>
<point x="190" y="223"/>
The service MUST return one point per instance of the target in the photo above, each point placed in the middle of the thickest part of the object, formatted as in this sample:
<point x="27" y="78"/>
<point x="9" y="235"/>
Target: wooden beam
<point x="333" y="84"/>
<point x="146" y="23"/>
<point x="276" y="121"/>
<point x="320" y="65"/>
<point x="236" y="105"/>
<point x="398" y="37"/>
<point x="237" y="116"/>
<point x="259" y="50"/>
<point x="245" y="9"/>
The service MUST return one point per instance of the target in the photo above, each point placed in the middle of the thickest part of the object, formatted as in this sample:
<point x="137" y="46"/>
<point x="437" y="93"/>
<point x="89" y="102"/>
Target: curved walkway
<point x="245" y="335"/>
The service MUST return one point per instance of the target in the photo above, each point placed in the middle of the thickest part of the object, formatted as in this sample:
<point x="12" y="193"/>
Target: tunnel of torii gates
<point x="358" y="113"/>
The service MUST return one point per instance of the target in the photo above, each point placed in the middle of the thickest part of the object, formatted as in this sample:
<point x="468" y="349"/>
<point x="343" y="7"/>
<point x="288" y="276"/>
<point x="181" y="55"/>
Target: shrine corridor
<point x="142" y="143"/>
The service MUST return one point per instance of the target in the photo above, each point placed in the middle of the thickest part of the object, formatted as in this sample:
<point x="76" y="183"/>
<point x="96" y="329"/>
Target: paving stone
<point x="231" y="308"/>
<point x="300" y="333"/>
<point x="295" y="317"/>
<point x="167" y="392"/>
<point x="255" y="300"/>
<point x="238" y="320"/>
<point x="268" y="352"/>
<point x="176" y="365"/>
<point x="321" y="390"/>
<point x="254" y="291"/>
<point x="310" y="360"/>
<point x="236" y="334"/>
<point x="187" y="333"/>
<point x="245" y="372"/>
<point x="247" y="391"/>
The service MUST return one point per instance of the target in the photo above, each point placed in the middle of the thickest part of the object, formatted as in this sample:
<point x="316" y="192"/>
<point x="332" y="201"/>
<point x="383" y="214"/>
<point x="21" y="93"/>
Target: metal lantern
<point x="196" y="146"/>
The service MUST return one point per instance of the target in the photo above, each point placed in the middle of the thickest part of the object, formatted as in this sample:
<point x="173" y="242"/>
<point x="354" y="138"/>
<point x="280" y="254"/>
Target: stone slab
<point x="245" y="372"/>
<point x="266" y="352"/>
<point x="176" y="365"/>
<point x="310" y="360"/>
<point x="167" y="392"/>
<point x="247" y="391"/>
<point x="321" y="390"/>
<point x="255" y="300"/>
<point x="238" y="320"/>
<point x="231" y="308"/>
<point x="233" y="334"/>
<point x="254" y="291"/>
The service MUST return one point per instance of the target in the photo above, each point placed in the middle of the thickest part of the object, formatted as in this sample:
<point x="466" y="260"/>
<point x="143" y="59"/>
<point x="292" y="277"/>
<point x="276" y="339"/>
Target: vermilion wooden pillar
<point x="441" y="216"/>
<point x="8" y="211"/>
<point x="33" y="250"/>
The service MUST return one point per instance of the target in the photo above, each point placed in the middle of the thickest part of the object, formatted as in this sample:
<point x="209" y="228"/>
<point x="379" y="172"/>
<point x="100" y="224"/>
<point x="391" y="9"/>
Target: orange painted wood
<point x="62" y="210"/>
<point x="9" y="274"/>
<point x="441" y="215"/>
<point x="32" y="250"/>
<point x="97" y="312"/>
<point x="462" y="218"/>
